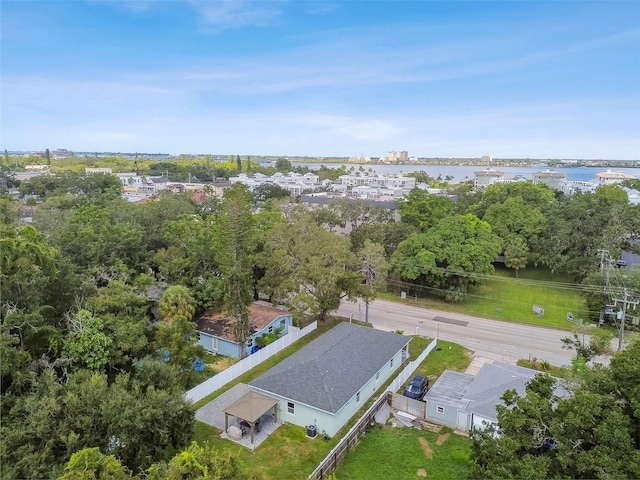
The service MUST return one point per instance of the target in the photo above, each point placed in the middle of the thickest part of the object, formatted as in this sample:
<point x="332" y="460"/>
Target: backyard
<point x="409" y="453"/>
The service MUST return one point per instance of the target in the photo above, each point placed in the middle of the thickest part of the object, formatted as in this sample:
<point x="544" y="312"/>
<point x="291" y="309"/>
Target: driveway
<point x="213" y="412"/>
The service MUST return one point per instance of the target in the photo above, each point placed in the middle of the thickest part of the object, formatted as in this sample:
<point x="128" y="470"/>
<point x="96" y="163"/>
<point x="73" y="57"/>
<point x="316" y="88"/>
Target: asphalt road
<point x="491" y="338"/>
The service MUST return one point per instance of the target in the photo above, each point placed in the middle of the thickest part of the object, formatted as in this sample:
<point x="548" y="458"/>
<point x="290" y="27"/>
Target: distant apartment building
<point x="361" y="179"/>
<point x="295" y="183"/>
<point x="404" y="156"/>
<point x="486" y="177"/>
<point x="61" y="153"/>
<point x="486" y="159"/>
<point x="104" y="170"/>
<point x="611" y="178"/>
<point x="360" y="159"/>
<point x="575" y="186"/>
<point x="550" y="178"/>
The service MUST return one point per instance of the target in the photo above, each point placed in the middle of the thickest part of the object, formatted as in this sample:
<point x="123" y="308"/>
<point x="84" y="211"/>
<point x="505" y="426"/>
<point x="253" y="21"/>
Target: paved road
<point x="494" y="339"/>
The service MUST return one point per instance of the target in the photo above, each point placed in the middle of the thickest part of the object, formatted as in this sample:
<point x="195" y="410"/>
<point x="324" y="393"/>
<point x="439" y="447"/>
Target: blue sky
<point x="464" y="79"/>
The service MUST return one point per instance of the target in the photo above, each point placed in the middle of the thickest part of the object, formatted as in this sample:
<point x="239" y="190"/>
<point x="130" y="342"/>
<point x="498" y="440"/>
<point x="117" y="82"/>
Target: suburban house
<point x="216" y="329"/>
<point x="327" y="381"/>
<point x="462" y="401"/>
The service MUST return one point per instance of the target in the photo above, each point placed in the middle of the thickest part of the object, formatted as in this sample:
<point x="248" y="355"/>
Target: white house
<point x="483" y="178"/>
<point x="327" y="381"/>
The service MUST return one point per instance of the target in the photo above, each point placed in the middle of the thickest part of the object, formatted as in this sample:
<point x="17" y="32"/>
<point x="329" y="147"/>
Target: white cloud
<point x="237" y="13"/>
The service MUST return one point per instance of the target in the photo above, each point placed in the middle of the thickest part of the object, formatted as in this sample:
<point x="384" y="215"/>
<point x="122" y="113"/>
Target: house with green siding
<point x="327" y="381"/>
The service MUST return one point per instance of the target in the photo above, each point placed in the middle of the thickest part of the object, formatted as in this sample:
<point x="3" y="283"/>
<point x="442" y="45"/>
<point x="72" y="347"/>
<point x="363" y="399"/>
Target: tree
<point x="424" y="210"/>
<point x="457" y="252"/>
<point x="9" y="211"/>
<point x="91" y="464"/>
<point x="374" y="270"/>
<point x="599" y="343"/>
<point x="236" y="246"/>
<point x="202" y="463"/>
<point x="518" y="225"/>
<point x="389" y="235"/>
<point x="358" y="212"/>
<point x="584" y="223"/>
<point x="124" y="314"/>
<point x="86" y="344"/>
<point x="176" y="304"/>
<point x="515" y="252"/>
<point x="267" y="191"/>
<point x="128" y="419"/>
<point x="310" y="266"/>
<point x="538" y="196"/>
<point x="28" y="265"/>
<point x="589" y="431"/>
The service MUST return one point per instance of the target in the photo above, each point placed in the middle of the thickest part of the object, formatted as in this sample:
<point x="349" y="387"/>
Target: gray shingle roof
<point x="330" y="370"/>
<point x="481" y="394"/>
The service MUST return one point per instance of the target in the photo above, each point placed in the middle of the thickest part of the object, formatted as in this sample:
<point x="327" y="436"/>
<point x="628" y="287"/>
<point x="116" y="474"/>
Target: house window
<point x="391" y="363"/>
<point x="282" y="322"/>
<point x="214" y="343"/>
<point x="378" y="376"/>
<point x="270" y="328"/>
<point x="291" y="408"/>
<point x="249" y="341"/>
<point x="440" y="409"/>
<point x="358" y="397"/>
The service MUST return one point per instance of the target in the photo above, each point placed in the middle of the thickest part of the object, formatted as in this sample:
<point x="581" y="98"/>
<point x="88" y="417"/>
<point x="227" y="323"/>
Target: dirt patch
<point x="442" y="438"/>
<point x="428" y="452"/>
<point x="421" y="473"/>
<point x="222" y="363"/>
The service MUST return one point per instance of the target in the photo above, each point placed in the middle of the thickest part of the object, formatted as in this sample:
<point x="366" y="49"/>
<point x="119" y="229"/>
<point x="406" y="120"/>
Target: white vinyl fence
<point x="407" y="371"/>
<point x="221" y="379"/>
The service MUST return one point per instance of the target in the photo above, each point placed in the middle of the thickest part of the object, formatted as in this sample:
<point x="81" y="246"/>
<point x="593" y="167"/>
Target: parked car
<point x="417" y="387"/>
<point x="620" y="263"/>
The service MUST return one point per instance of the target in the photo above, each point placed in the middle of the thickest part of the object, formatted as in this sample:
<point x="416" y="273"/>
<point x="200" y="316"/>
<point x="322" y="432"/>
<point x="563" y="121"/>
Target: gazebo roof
<point x="251" y="406"/>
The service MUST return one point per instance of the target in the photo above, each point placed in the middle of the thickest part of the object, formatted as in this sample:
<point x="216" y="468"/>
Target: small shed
<point x="249" y="408"/>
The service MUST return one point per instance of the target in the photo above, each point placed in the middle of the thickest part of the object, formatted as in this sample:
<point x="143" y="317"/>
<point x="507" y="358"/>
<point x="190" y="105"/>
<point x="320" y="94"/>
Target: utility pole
<point x="603" y="253"/>
<point x="625" y="302"/>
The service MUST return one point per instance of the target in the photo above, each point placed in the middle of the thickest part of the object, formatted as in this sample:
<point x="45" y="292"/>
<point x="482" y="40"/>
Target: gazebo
<point x="250" y="408"/>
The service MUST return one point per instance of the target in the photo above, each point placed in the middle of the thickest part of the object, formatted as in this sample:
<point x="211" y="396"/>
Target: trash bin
<point x="311" y="431"/>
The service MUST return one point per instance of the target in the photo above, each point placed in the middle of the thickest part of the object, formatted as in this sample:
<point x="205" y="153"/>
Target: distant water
<point x="461" y="173"/>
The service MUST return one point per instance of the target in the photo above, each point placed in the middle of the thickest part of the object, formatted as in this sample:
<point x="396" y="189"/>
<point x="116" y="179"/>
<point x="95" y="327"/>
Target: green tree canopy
<point x="457" y="252"/>
<point x="424" y="210"/>
<point x="590" y="431"/>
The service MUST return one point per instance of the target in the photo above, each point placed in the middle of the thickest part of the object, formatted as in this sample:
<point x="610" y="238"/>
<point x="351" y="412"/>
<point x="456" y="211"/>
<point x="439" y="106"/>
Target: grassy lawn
<point x="286" y="455"/>
<point x="400" y="453"/>
<point x="515" y="298"/>
<point x="446" y="356"/>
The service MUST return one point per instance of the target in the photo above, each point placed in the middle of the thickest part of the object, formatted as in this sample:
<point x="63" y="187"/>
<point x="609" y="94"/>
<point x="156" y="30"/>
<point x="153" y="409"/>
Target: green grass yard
<point x="407" y="453"/>
<point x="515" y="297"/>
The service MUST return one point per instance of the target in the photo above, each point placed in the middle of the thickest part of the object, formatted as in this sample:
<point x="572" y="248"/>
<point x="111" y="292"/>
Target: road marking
<point x="452" y="321"/>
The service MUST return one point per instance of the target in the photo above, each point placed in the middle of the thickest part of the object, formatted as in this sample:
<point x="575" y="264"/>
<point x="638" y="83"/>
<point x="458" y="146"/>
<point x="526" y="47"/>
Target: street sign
<point x="569" y="317"/>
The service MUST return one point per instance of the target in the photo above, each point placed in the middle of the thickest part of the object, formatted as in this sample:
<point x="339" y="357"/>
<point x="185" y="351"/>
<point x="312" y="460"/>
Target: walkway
<point x="213" y="414"/>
